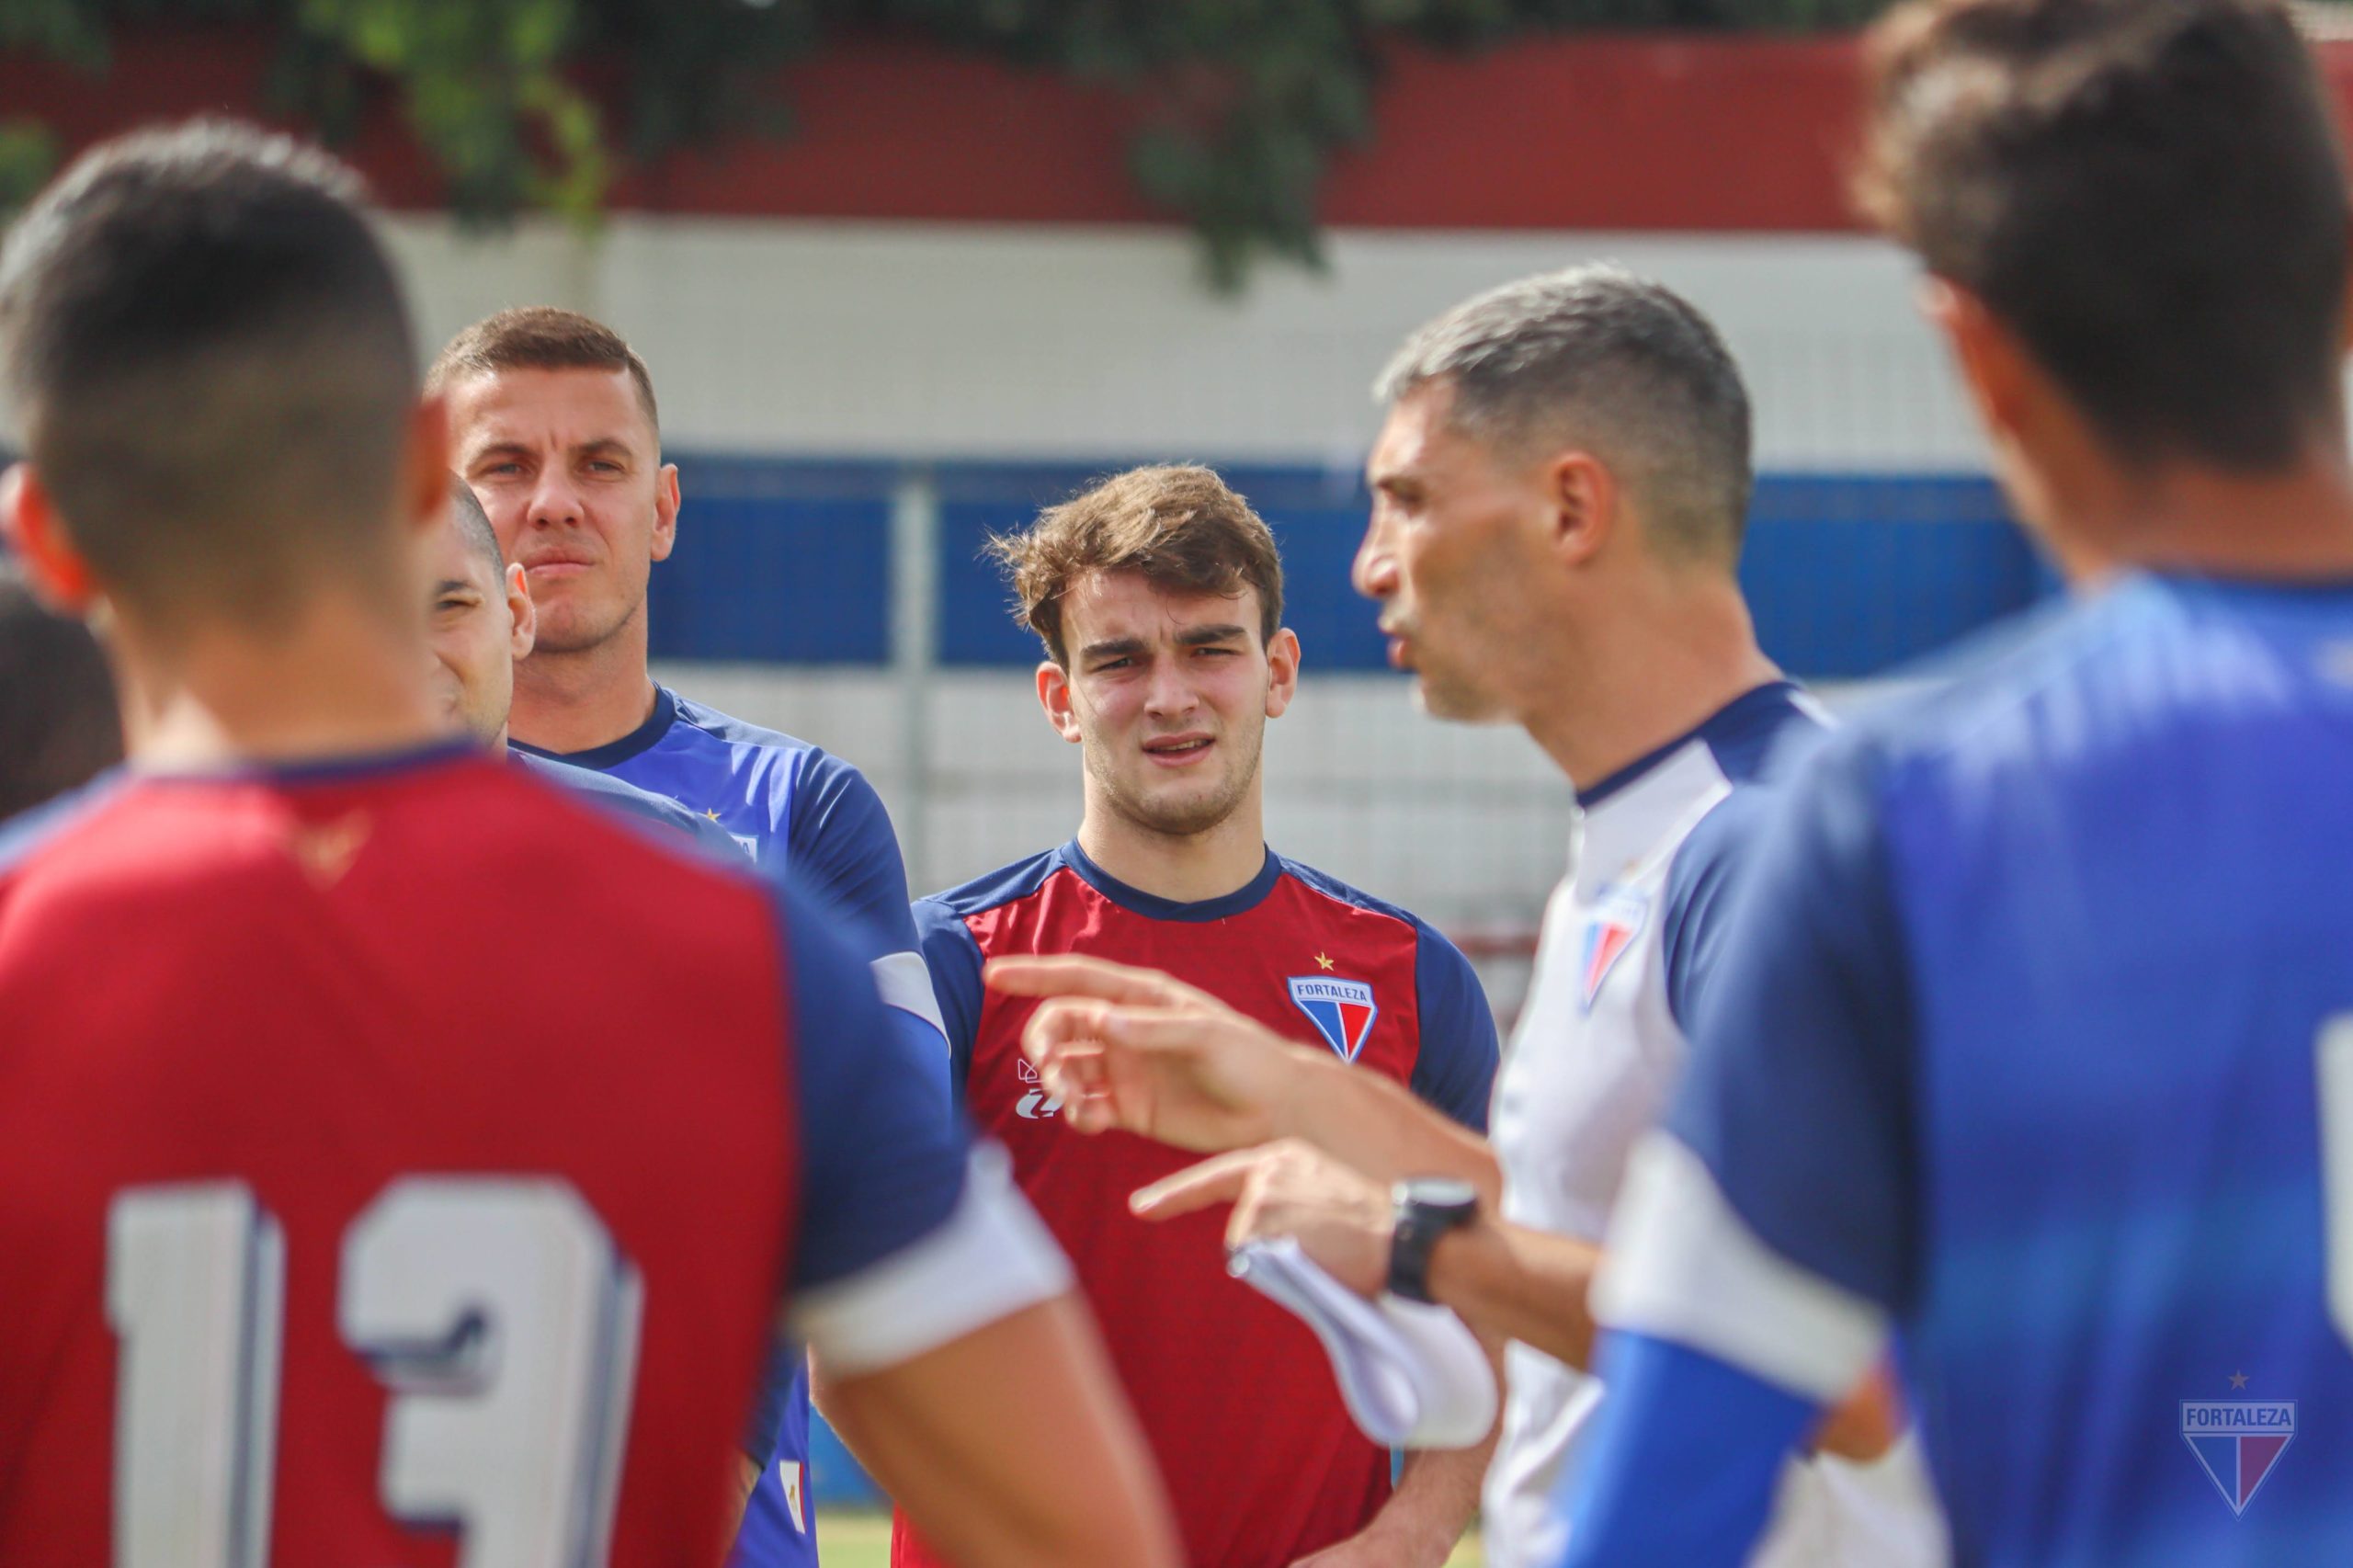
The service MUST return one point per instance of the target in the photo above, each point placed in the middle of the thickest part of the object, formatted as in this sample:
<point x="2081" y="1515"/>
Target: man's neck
<point x="568" y="702"/>
<point x="1182" y="869"/>
<point x="1654" y="674"/>
<point x="2290" y="525"/>
<point x="342" y="681"/>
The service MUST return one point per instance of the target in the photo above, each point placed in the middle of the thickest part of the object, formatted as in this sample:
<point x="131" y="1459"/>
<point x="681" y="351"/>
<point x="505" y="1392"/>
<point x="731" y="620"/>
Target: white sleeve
<point x="991" y="1257"/>
<point x="903" y="981"/>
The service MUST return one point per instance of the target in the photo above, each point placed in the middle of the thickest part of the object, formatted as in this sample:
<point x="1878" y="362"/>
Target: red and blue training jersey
<point x="402" y="1153"/>
<point x="1262" y="1463"/>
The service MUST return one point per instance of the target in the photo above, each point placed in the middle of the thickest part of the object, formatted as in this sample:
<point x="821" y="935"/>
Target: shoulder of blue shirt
<point x="838" y="833"/>
<point x="834" y="828"/>
<point x="1759" y="737"/>
<point x="627" y="799"/>
<point x="1455" y="1064"/>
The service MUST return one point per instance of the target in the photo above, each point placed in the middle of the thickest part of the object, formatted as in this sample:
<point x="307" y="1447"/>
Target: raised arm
<point x="1136" y="1049"/>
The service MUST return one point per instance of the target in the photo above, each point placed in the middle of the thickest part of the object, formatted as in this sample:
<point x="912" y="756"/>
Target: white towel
<point x="1412" y="1374"/>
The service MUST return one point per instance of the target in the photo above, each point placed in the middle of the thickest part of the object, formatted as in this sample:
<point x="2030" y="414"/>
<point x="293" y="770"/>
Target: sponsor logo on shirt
<point x="2238" y="1441"/>
<point x="1035" y="1104"/>
<point x="1616" y="916"/>
<point x="748" y="843"/>
<point x="1341" y="1010"/>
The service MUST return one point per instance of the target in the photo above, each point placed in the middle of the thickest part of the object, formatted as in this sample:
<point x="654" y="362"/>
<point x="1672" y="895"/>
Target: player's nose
<point x="1168" y="692"/>
<point x="555" y="501"/>
<point x="1373" y="573"/>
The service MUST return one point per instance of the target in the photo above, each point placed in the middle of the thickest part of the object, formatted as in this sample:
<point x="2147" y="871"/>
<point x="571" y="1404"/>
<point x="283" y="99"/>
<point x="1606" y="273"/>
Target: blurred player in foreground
<point x="479" y="621"/>
<point x="58" y="725"/>
<point x="1559" y="493"/>
<point x="333" y="1228"/>
<point x="1159" y="596"/>
<point x="556" y="429"/>
<point x="2031" y="1040"/>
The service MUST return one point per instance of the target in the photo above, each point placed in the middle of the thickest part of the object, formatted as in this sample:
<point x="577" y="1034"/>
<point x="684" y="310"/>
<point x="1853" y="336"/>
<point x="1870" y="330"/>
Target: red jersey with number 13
<point x="402" y="1159"/>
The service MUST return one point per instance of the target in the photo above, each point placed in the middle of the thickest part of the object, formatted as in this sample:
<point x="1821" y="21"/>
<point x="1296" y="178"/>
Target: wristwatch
<point x="1426" y="1208"/>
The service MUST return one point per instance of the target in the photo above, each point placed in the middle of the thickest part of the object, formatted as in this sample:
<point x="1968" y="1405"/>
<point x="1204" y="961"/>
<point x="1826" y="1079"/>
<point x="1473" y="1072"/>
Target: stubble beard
<point x="1185" y="818"/>
<point x="565" y="629"/>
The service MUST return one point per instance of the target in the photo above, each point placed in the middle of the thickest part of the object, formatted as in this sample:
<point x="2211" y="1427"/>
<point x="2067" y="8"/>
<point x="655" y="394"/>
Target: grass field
<point x="863" y="1541"/>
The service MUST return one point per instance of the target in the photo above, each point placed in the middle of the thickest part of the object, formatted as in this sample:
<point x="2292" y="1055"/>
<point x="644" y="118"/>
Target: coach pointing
<point x="1558" y="491"/>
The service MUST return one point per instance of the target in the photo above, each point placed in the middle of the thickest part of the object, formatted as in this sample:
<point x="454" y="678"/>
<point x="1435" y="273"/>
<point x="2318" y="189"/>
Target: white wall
<point x="909" y="339"/>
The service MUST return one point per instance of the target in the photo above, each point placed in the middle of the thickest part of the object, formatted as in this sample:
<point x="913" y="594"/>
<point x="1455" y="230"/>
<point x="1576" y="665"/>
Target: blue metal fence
<point x="789" y="562"/>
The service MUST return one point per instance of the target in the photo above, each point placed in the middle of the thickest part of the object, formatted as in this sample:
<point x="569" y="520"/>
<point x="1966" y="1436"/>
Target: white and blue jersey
<point x="1629" y="938"/>
<point x="2033" y="1042"/>
<point x="792" y="807"/>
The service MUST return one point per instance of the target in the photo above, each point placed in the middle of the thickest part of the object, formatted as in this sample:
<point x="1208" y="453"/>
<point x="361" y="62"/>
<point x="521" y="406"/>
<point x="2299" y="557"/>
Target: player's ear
<point x="1994" y="366"/>
<point x="425" y="476"/>
<point x="1282" y="671"/>
<point x="523" y="615"/>
<point x="1053" y="695"/>
<point x="666" y="511"/>
<point x="56" y="572"/>
<point x="1581" y="498"/>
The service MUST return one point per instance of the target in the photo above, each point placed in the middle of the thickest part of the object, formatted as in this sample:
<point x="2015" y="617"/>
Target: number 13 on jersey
<point x="495" y="1310"/>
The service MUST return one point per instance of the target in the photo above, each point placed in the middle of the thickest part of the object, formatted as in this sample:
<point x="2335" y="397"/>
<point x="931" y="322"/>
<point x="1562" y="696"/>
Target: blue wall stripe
<point x="789" y="562"/>
<point x="777" y="563"/>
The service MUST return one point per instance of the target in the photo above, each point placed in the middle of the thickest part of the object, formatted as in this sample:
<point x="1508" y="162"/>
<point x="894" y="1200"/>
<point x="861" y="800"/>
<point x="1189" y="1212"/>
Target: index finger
<point x="1075" y="974"/>
<point x="1217" y="1180"/>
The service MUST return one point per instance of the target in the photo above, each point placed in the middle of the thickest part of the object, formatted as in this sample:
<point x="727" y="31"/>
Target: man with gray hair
<point x="1558" y="498"/>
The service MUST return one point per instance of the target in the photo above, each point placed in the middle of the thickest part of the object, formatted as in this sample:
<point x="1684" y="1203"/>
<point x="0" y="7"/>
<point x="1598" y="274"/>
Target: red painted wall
<point x="1657" y="132"/>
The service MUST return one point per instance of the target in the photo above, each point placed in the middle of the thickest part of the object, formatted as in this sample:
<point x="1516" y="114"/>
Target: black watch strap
<point x="1425" y="1209"/>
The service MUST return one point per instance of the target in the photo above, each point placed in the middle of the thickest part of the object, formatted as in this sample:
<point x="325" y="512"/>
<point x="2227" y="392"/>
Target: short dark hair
<point x="466" y="510"/>
<point x="541" y="337"/>
<point x="211" y="362"/>
<point x="1183" y="529"/>
<point x="59" y="725"/>
<point x="2148" y="192"/>
<point x="1597" y="355"/>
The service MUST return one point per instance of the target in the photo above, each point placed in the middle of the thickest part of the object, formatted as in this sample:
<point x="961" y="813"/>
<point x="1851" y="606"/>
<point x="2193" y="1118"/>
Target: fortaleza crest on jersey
<point x="1341" y="1010"/>
<point x="1609" y="932"/>
<point x="2238" y="1441"/>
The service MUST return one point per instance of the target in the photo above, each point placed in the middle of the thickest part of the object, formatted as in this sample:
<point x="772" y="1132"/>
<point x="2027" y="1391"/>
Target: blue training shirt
<point x="2033" y="1038"/>
<point x="631" y="801"/>
<point x="792" y="807"/>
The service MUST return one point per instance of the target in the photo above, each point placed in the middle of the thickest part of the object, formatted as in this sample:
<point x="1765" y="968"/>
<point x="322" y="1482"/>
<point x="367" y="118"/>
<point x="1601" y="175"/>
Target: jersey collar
<point x="1733" y="719"/>
<point x="1135" y="901"/>
<point x="612" y="754"/>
